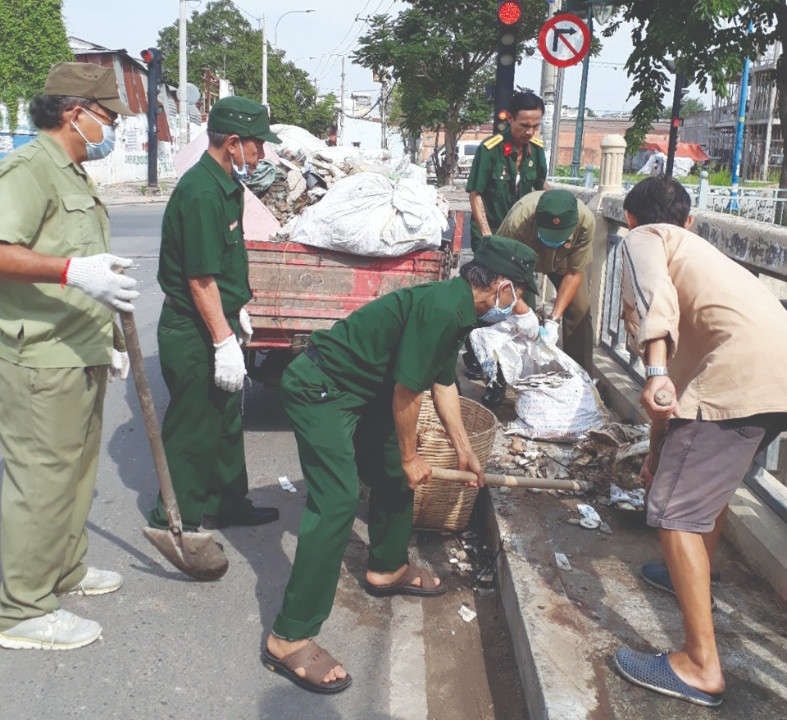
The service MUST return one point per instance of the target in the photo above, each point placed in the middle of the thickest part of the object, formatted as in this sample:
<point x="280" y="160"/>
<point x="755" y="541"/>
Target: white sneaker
<point x="58" y="630"/>
<point x="97" y="582"/>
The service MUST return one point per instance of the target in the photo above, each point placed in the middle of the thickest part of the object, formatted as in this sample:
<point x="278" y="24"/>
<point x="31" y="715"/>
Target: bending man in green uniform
<point x="560" y="228"/>
<point x="55" y="351"/>
<point x="203" y="271"/>
<point x="506" y="166"/>
<point x="353" y="399"/>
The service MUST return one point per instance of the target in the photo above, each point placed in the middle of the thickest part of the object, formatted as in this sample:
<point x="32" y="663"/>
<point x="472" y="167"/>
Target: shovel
<point x="195" y="553"/>
<point x="519" y="481"/>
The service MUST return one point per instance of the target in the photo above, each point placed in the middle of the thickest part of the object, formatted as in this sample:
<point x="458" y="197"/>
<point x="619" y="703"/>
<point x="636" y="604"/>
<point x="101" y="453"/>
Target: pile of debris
<point x="303" y="168"/>
<point x="609" y="458"/>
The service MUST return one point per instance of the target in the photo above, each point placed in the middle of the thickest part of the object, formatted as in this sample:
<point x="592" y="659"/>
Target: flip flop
<point x="655" y="673"/>
<point x="316" y="661"/>
<point x="404" y="585"/>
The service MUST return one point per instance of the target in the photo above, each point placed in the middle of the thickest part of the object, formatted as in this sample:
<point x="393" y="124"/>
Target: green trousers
<point x="50" y="430"/>
<point x="577" y="327"/>
<point x="341" y="439"/>
<point x="202" y="430"/>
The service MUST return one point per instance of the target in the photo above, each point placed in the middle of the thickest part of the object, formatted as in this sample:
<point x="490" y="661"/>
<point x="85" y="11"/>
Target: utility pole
<point x="550" y="76"/>
<point x="183" y="77"/>
<point x="264" y="63"/>
<point x="340" y="133"/>
<point x="383" y="119"/>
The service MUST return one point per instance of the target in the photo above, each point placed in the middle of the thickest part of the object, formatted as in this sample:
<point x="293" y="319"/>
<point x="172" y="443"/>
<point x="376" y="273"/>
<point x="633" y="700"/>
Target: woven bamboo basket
<point x="441" y="505"/>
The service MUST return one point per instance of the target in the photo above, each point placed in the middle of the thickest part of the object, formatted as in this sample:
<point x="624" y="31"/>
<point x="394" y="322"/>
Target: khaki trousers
<point x="50" y="430"/>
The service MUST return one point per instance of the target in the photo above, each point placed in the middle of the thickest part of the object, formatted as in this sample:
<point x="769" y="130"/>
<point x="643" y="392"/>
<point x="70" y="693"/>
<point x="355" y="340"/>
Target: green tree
<point x="32" y="40"/>
<point x="691" y="106"/>
<point x="442" y="56"/>
<point x="221" y="39"/>
<point x="708" y="42"/>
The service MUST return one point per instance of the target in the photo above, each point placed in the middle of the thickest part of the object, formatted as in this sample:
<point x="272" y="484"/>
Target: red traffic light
<point x="509" y="12"/>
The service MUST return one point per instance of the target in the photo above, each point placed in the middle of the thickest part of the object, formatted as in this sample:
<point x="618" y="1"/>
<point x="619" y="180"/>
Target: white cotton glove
<point x="95" y="275"/>
<point x="230" y="369"/>
<point x="549" y="331"/>
<point x="526" y="325"/>
<point x="118" y="365"/>
<point x="246" y="331"/>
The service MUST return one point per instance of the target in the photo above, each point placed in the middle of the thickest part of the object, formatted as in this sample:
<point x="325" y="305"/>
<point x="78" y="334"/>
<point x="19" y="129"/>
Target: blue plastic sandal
<point x="655" y="673"/>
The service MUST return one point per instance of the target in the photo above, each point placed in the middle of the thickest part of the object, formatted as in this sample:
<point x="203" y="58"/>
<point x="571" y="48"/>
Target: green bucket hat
<point x="556" y="217"/>
<point x="511" y="259"/>
<point x="240" y="116"/>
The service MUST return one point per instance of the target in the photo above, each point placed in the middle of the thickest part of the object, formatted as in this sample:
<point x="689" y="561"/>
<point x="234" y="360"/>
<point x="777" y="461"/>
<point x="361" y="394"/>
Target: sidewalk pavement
<point x="565" y="625"/>
<point x="135" y="192"/>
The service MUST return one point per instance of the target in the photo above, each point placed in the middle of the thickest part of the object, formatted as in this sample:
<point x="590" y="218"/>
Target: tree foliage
<point x="441" y="55"/>
<point x="221" y="39"/>
<point x="707" y="40"/>
<point x="32" y="39"/>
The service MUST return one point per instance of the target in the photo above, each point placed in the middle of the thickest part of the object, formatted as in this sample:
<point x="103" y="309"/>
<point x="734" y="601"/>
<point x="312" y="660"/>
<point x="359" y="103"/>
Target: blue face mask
<point x="497" y="314"/>
<point x="96" y="151"/>
<point x="551" y="243"/>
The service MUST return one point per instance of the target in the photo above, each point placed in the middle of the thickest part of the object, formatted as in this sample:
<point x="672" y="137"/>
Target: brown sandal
<point x="404" y="585"/>
<point x="316" y="661"/>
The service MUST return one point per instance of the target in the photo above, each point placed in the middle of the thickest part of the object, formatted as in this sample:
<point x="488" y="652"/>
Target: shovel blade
<point x="195" y="553"/>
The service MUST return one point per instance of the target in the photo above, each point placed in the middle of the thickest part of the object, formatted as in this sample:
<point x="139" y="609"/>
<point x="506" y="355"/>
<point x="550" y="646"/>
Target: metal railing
<point x="766" y="204"/>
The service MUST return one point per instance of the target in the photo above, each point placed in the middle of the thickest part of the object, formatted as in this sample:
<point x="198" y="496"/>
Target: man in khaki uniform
<point x="58" y="290"/>
<point x="560" y="229"/>
<point x="714" y="338"/>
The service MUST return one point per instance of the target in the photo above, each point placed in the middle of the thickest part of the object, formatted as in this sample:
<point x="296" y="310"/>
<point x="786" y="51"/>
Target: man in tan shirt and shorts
<point x="708" y="332"/>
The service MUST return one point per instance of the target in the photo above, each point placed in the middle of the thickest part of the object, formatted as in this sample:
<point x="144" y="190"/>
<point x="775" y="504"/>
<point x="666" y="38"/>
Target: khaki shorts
<point x="701" y="466"/>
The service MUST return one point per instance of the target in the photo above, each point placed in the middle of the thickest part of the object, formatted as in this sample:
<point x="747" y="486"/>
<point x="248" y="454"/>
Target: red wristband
<point x="64" y="274"/>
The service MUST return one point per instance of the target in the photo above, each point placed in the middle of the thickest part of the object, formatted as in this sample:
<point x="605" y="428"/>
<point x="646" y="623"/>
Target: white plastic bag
<point x="369" y="214"/>
<point x="556" y="400"/>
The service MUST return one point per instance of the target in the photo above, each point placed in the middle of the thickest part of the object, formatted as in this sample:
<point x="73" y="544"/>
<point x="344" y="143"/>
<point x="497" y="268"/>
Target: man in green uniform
<point x="560" y="228"/>
<point x="55" y="351"/>
<point x="506" y="166"/>
<point x="353" y="398"/>
<point x="203" y="272"/>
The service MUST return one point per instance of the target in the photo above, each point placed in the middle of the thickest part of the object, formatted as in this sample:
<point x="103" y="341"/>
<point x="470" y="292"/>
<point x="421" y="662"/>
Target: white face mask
<point x="96" y="151"/>
<point x="242" y="172"/>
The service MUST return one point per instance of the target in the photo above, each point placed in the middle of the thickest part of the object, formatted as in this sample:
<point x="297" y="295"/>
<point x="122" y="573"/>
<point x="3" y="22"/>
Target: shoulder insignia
<point x="537" y="141"/>
<point x="494" y="141"/>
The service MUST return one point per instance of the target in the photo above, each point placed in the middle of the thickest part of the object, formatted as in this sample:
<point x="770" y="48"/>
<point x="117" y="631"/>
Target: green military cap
<point x="556" y="217"/>
<point x="510" y="258"/>
<point x="86" y="80"/>
<point x="240" y="116"/>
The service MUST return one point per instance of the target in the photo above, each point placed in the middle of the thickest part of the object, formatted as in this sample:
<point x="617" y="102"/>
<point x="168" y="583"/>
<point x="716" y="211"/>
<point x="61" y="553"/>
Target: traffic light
<point x="509" y="14"/>
<point x="152" y="57"/>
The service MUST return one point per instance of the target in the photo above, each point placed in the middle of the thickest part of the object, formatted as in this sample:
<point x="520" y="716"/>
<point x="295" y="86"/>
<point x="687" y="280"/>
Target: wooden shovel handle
<point x="519" y="481"/>
<point x="658" y="430"/>
<point x="137" y="364"/>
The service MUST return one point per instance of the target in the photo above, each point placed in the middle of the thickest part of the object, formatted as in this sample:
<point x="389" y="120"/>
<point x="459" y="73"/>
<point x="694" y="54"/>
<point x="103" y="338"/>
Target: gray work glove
<point x="230" y="369"/>
<point x="246" y="330"/>
<point x="96" y="275"/>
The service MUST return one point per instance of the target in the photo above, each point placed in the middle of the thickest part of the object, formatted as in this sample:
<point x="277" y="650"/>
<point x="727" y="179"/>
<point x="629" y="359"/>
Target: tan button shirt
<point x="574" y="256"/>
<point x="49" y="204"/>
<point x="726" y="332"/>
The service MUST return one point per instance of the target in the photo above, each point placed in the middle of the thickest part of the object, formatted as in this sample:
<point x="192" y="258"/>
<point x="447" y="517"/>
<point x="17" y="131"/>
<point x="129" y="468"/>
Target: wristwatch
<point x="654" y="370"/>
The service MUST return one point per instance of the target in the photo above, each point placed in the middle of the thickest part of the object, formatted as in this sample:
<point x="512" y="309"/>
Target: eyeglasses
<point x="113" y="123"/>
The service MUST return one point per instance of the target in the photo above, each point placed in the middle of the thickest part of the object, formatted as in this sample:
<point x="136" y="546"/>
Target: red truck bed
<point x="297" y="288"/>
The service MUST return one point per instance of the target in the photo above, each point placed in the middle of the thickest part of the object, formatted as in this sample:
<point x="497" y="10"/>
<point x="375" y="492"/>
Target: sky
<point x="316" y="42"/>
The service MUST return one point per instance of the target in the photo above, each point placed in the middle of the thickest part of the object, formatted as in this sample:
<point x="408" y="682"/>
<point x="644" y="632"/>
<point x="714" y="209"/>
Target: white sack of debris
<point x="371" y="214"/>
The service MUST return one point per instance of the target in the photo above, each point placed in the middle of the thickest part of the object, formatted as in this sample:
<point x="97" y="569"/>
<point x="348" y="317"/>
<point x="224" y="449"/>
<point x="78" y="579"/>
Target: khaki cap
<point x="86" y="80"/>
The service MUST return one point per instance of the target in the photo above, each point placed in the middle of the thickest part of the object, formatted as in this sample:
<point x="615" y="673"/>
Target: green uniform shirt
<point x="202" y="234"/>
<point x="49" y="205"/>
<point x="411" y="336"/>
<point x="494" y="175"/>
<point x="574" y="256"/>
